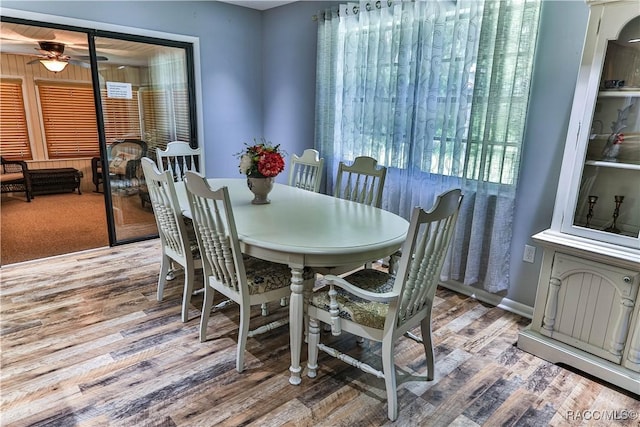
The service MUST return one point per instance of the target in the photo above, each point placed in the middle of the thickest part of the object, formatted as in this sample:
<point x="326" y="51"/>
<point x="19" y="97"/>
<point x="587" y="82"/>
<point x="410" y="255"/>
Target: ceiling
<point x="258" y="4"/>
<point x="23" y="39"/>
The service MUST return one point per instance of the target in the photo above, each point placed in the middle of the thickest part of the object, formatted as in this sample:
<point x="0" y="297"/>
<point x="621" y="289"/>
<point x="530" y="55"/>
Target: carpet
<point x="56" y="224"/>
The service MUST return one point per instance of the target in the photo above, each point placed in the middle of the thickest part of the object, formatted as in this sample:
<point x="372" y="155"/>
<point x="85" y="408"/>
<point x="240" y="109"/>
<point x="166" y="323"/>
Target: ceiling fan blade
<point x="33" y="61"/>
<point x="87" y="57"/>
<point x="79" y="63"/>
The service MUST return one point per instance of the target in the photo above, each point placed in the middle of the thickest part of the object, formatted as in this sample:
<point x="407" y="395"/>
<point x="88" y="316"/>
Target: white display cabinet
<point x="587" y="308"/>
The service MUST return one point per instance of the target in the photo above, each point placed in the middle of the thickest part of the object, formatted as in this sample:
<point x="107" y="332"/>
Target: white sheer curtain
<point x="437" y="91"/>
<point x="168" y="97"/>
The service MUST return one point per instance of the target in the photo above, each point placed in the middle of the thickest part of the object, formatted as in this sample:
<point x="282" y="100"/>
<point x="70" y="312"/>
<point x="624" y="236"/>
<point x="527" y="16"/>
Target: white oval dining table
<point x="301" y="228"/>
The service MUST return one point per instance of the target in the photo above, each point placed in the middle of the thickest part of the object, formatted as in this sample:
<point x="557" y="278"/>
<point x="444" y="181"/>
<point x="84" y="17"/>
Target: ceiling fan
<point x="53" y="58"/>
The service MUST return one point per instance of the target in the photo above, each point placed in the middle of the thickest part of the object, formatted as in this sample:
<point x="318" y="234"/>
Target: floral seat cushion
<point x="367" y="313"/>
<point x="264" y="276"/>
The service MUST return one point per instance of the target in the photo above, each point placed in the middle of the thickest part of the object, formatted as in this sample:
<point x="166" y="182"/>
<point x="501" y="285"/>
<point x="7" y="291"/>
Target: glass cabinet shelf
<point x="616" y="165"/>
<point x="620" y="92"/>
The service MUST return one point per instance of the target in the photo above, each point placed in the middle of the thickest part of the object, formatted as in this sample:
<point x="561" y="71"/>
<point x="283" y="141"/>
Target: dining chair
<point x="383" y="307"/>
<point x="362" y="181"/>
<point x="176" y="246"/>
<point x="306" y="171"/>
<point x="179" y="157"/>
<point x="244" y="279"/>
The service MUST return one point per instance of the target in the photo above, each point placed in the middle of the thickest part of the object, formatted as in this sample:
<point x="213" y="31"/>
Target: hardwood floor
<point x="85" y="343"/>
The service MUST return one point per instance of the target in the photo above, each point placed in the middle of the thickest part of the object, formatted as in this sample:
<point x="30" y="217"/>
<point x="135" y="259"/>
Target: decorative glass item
<point x="260" y="187"/>
<point x="612" y="147"/>
<point x="616" y="212"/>
<point x="592" y="203"/>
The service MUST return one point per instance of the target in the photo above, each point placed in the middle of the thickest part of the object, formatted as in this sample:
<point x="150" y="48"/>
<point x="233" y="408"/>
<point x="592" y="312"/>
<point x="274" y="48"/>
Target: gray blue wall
<point x="258" y="78"/>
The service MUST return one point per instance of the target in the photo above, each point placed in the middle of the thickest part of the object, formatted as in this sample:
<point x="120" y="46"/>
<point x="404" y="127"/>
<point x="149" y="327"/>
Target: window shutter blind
<point x="14" y="135"/>
<point x="69" y="118"/>
<point x="181" y="114"/>
<point x="156" y="116"/>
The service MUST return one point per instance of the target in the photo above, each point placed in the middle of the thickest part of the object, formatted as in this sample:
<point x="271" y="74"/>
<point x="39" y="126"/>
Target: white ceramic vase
<point x="260" y="187"/>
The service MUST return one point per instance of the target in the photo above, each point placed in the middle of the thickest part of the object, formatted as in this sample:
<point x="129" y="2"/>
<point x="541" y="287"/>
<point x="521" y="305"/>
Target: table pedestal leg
<point x="296" y="314"/>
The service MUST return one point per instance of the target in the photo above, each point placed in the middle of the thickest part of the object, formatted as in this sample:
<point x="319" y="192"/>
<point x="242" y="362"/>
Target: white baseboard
<point x="489" y="298"/>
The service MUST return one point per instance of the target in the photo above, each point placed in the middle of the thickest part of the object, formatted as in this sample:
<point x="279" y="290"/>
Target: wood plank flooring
<point x="84" y="342"/>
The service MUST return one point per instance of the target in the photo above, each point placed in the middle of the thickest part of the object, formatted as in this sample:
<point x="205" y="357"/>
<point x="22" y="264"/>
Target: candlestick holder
<point x="616" y="212"/>
<point x="592" y="203"/>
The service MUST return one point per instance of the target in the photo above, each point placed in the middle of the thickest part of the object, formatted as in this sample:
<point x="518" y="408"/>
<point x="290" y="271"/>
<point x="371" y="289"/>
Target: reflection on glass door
<point x="145" y="105"/>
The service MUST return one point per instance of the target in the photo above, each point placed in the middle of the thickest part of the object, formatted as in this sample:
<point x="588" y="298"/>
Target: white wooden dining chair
<point x="244" y="279"/>
<point x="179" y="157"/>
<point x="176" y="246"/>
<point x="383" y="307"/>
<point x="362" y="181"/>
<point x="306" y="171"/>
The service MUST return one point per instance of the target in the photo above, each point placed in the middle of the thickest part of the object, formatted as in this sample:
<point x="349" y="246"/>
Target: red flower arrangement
<point x="261" y="160"/>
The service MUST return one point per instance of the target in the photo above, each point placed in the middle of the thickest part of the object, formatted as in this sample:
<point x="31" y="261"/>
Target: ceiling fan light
<point x="53" y="65"/>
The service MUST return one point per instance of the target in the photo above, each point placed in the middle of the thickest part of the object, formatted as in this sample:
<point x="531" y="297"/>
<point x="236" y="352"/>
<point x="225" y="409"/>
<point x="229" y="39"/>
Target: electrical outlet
<point x="529" y="253"/>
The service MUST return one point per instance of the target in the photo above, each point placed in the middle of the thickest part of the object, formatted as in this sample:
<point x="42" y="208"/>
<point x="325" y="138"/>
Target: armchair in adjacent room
<point x="14" y="177"/>
<point x="124" y="163"/>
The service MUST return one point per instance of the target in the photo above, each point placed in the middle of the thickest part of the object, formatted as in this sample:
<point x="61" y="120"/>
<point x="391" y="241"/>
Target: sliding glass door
<point x="97" y="101"/>
<point x="145" y="102"/>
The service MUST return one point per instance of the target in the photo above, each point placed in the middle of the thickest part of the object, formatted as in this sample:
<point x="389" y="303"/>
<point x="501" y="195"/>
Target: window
<point x="181" y="113"/>
<point x="156" y="116"/>
<point x="69" y="120"/>
<point x="14" y="135"/>
<point x="441" y="100"/>
<point x="165" y="115"/>
<point x="441" y="89"/>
